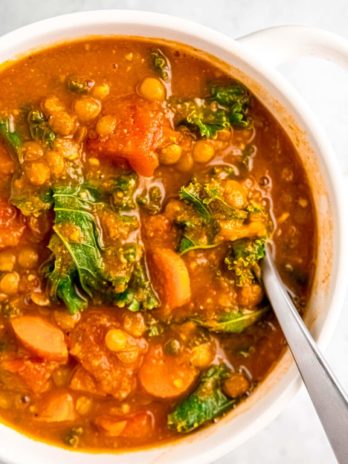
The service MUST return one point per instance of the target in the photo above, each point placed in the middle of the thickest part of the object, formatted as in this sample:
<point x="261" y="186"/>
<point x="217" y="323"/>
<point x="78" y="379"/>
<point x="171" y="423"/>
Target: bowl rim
<point x="202" y="34"/>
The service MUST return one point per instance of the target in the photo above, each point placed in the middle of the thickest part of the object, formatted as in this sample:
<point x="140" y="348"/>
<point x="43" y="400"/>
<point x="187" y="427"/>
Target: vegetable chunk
<point x="166" y="376"/>
<point x="41" y="337"/>
<point x="137" y="134"/>
<point x="172" y="275"/>
<point x="11" y="225"/>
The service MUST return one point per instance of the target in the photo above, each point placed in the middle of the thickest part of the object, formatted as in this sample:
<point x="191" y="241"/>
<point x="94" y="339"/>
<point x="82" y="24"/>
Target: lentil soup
<point x="139" y="185"/>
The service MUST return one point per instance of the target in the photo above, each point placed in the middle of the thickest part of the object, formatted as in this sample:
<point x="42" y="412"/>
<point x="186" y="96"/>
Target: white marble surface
<point x="295" y="437"/>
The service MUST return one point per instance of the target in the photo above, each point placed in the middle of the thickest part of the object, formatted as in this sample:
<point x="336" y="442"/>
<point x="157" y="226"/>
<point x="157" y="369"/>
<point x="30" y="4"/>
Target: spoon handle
<point x="328" y="397"/>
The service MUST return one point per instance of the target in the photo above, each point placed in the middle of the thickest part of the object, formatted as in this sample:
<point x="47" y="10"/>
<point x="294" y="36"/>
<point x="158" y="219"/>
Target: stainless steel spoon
<point x="328" y="397"/>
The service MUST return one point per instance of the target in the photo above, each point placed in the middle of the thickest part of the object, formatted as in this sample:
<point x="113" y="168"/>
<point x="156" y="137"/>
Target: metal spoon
<point x="328" y="397"/>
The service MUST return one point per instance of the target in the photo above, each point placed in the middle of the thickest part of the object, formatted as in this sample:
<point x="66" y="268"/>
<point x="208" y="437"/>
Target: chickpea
<point x="116" y="340"/>
<point x="203" y="355"/>
<point x="203" y="151"/>
<point x="7" y="261"/>
<point x="67" y="149"/>
<point x="170" y="154"/>
<point x="152" y="89"/>
<point x="38" y="172"/>
<point x="236" y="385"/>
<point x="32" y="151"/>
<point x="9" y="283"/>
<point x="94" y="162"/>
<point x="40" y="299"/>
<point x="101" y="91"/>
<point x="28" y="257"/>
<point x="129" y="356"/>
<point x="134" y="324"/>
<point x="87" y="108"/>
<point x="62" y="123"/>
<point x="55" y="162"/>
<point x="52" y="105"/>
<point x="235" y="194"/>
<point x="65" y="320"/>
<point x="185" y="163"/>
<point x="106" y="125"/>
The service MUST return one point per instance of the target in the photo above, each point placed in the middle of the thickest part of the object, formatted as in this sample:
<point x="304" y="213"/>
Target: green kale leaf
<point x="234" y="321"/>
<point x="206" y="403"/>
<point x="161" y="64"/>
<point x="79" y="85"/>
<point x="39" y="128"/>
<point x="243" y="260"/>
<point x="12" y="138"/>
<point x="223" y="108"/>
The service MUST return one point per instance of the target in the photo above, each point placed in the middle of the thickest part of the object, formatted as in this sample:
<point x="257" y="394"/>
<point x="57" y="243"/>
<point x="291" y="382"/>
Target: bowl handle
<point x="283" y="44"/>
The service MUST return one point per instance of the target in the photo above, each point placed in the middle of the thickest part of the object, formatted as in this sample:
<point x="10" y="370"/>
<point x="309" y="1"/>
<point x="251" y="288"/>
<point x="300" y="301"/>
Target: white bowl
<point x="324" y="176"/>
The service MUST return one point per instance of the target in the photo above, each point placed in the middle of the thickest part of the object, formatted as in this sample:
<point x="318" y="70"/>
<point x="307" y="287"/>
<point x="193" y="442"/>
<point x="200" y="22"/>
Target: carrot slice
<point x="138" y="132"/>
<point x="166" y="376"/>
<point x="139" y="425"/>
<point x="57" y="407"/>
<point x="171" y="273"/>
<point x="41" y="337"/>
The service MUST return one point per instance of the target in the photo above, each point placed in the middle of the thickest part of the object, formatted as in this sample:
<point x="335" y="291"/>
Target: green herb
<point x="78" y="85"/>
<point x="123" y="191"/>
<point x="11" y="137"/>
<point x="160" y="64"/>
<point x="151" y="200"/>
<point x="139" y="293"/>
<point x="75" y="246"/>
<point x="33" y="203"/>
<point x="234" y="321"/>
<point x="203" y="405"/>
<point x="72" y="437"/>
<point x="39" y="127"/>
<point x="191" y="194"/>
<point x="243" y="260"/>
<point x="236" y="99"/>
<point x="187" y="244"/>
<point x="224" y="107"/>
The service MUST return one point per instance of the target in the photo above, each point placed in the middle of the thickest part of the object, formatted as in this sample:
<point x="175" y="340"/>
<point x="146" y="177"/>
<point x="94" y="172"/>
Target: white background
<point x="295" y="437"/>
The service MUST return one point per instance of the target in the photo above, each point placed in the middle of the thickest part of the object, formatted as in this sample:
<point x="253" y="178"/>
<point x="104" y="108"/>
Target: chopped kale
<point x="191" y="193"/>
<point x="206" y="403"/>
<point x="233" y="321"/>
<point x="12" y="138"/>
<point x="160" y="64"/>
<point x="243" y="260"/>
<point x="151" y="200"/>
<point x="123" y="191"/>
<point x="79" y="85"/>
<point x="75" y="246"/>
<point x="223" y="108"/>
<point x="39" y="128"/>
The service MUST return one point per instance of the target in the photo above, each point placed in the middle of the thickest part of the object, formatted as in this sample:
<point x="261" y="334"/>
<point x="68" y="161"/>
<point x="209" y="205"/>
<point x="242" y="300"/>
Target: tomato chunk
<point x="137" y="134"/>
<point x="35" y="373"/>
<point x="41" y="337"/>
<point x="109" y="370"/>
<point x="11" y="225"/>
